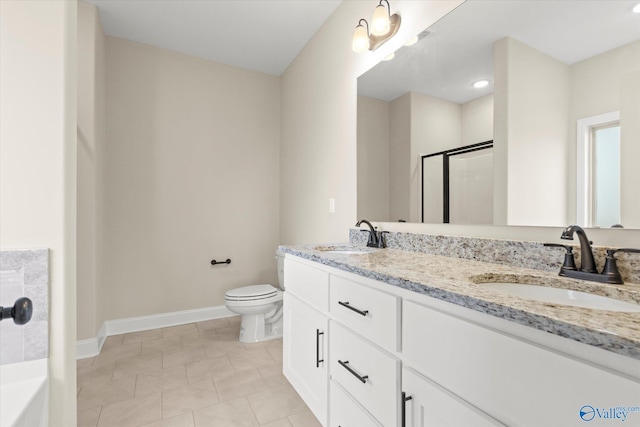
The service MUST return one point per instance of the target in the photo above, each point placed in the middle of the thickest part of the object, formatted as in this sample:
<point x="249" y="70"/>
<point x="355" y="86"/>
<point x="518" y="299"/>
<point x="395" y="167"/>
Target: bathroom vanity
<point x="388" y="337"/>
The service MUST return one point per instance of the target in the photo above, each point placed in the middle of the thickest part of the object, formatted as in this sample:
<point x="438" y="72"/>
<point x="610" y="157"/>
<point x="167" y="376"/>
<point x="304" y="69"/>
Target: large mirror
<point x="562" y="107"/>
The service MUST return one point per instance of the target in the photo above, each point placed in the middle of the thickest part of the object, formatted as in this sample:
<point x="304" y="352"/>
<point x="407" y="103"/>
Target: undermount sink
<point x="563" y="296"/>
<point x="346" y="250"/>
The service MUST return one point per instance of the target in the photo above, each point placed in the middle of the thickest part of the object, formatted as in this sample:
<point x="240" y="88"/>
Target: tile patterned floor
<point x="192" y="375"/>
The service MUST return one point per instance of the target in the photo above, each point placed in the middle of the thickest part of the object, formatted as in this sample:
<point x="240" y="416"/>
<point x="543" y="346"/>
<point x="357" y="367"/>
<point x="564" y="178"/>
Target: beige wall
<point x="531" y="136"/>
<point x="603" y="84"/>
<point x="435" y="126"/>
<point x="91" y="133"/>
<point x="191" y="175"/>
<point x="413" y="125"/>
<point x="37" y="167"/>
<point x="318" y="107"/>
<point x="477" y="120"/>
<point x="400" y="158"/>
<point x="373" y="159"/>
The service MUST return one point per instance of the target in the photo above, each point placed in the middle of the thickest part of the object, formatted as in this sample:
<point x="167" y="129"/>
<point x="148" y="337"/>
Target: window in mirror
<point x="605" y="147"/>
<point x="599" y="170"/>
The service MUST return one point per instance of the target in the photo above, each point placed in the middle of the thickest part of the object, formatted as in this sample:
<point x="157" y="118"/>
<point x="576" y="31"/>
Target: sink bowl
<point x="563" y="297"/>
<point x="345" y="250"/>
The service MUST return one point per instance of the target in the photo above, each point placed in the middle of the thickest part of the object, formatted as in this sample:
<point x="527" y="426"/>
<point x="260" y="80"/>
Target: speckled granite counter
<point x="459" y="281"/>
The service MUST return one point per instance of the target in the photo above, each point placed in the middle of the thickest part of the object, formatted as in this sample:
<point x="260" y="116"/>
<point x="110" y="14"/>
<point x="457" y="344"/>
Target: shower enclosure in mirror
<point x="457" y="185"/>
<point x="550" y="65"/>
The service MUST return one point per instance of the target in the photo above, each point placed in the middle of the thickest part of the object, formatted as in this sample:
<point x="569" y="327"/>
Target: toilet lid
<point x="251" y="292"/>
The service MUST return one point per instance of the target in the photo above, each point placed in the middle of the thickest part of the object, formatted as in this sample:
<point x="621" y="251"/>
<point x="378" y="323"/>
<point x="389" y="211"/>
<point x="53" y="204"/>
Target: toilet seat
<point x="249" y="293"/>
<point x="261" y="294"/>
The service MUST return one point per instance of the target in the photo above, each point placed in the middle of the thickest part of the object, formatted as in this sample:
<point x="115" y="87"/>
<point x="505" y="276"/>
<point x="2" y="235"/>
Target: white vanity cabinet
<point x="457" y="366"/>
<point x="305" y="339"/>
<point x="516" y="381"/>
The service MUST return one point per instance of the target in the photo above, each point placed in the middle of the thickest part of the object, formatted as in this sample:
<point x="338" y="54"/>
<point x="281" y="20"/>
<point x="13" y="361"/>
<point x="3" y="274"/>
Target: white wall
<point x="37" y="167"/>
<point x="373" y="159"/>
<point x="191" y="176"/>
<point x="531" y="136"/>
<point x="318" y="107"/>
<point x="91" y="133"/>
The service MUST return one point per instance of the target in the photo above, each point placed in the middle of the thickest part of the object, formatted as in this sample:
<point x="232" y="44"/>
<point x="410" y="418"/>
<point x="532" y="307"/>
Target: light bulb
<point x="380" y="24"/>
<point x="360" y="39"/>
<point x="636" y="9"/>
<point x="481" y="83"/>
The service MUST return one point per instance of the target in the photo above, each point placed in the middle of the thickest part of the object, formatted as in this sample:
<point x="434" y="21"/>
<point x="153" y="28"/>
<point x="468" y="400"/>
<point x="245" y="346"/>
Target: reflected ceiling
<point x="459" y="47"/>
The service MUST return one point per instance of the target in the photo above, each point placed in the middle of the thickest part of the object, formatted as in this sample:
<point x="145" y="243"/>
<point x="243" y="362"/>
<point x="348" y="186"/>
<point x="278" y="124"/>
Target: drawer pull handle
<point x="405" y="399"/>
<point x="345" y="365"/>
<point x="318" y="360"/>
<point x="346" y="304"/>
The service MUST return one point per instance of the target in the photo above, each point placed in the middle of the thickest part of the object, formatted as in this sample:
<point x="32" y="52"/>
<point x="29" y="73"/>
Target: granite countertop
<point x="459" y="281"/>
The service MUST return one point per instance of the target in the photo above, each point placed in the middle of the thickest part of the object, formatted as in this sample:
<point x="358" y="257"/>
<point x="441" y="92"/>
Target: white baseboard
<point x="91" y="347"/>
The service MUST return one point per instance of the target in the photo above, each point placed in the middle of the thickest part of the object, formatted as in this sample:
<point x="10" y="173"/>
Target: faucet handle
<point x="382" y="241"/>
<point x="569" y="260"/>
<point x="611" y="266"/>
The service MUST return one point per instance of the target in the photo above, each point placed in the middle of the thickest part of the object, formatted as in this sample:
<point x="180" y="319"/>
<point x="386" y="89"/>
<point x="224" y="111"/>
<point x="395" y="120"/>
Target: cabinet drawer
<point x="370" y="375"/>
<point x="345" y="412"/>
<point x="309" y="284"/>
<point x="502" y="375"/>
<point x="373" y="314"/>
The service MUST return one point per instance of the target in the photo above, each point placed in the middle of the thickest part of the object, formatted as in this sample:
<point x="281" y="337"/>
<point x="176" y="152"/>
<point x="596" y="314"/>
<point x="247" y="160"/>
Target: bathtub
<point x="24" y="394"/>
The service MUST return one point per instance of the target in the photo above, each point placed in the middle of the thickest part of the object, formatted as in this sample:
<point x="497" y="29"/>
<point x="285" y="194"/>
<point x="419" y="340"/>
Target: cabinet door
<point x="428" y="404"/>
<point x="305" y="354"/>
<point x="345" y="412"/>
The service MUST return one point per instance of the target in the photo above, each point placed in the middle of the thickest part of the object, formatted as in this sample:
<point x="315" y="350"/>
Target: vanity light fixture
<point x="480" y="84"/>
<point x="383" y="27"/>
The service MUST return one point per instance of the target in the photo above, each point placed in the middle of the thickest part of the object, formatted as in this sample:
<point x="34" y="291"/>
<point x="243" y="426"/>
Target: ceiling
<point x="258" y="35"/>
<point x="458" y="49"/>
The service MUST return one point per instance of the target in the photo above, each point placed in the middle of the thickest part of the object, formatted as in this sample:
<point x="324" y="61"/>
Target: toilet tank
<point x="280" y="259"/>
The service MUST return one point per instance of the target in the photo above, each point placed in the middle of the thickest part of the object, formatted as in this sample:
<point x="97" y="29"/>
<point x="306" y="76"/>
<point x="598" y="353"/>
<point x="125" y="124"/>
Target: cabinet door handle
<point x="346" y="304"/>
<point x="405" y="398"/>
<point x="318" y="360"/>
<point x="345" y="365"/>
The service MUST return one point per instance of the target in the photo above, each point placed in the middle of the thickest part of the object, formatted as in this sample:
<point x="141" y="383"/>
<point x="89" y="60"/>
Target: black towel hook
<point x="214" y="262"/>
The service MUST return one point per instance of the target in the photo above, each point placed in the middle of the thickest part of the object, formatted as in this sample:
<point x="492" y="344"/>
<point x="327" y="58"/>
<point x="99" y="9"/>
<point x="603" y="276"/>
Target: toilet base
<point x="253" y="328"/>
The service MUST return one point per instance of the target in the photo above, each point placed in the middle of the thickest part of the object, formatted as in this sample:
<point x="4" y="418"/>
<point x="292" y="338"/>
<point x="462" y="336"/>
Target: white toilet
<point x="260" y="307"/>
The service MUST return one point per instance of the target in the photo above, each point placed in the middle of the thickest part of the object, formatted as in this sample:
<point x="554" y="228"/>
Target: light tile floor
<point x="192" y="375"/>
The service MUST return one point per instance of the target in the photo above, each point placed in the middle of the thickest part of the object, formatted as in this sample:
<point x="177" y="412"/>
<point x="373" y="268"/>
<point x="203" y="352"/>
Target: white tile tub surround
<point x="25" y="273"/>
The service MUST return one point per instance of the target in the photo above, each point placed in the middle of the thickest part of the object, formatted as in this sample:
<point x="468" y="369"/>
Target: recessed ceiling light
<point x="389" y="57"/>
<point x="480" y="83"/>
<point x="412" y="41"/>
<point x="637" y="8"/>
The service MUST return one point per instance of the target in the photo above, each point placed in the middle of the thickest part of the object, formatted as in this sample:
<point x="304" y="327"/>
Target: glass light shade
<point x="380" y="24"/>
<point x="360" y="39"/>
